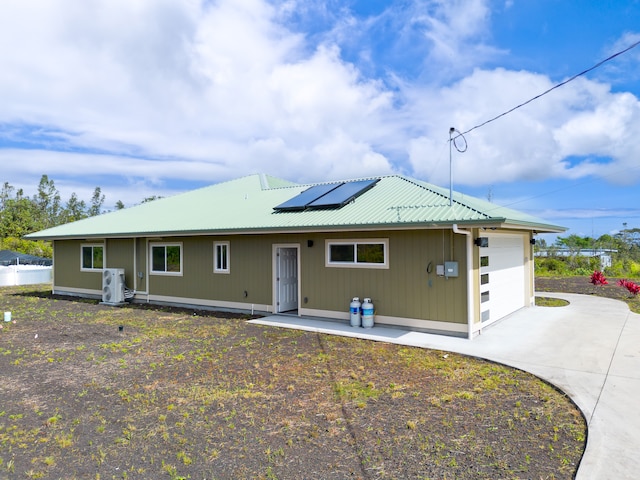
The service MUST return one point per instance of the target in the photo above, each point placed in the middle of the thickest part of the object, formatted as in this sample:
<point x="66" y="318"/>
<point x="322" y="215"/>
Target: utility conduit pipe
<point x="469" y="262"/>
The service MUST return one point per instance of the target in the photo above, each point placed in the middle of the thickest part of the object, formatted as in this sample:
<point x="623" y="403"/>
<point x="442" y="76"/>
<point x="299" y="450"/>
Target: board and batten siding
<point x="250" y="271"/>
<point x="405" y="289"/>
<point x="66" y="270"/>
<point x="120" y="255"/>
<point x="141" y="273"/>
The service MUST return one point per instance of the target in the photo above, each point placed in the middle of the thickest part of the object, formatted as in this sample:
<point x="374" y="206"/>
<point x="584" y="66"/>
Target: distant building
<point x="604" y="254"/>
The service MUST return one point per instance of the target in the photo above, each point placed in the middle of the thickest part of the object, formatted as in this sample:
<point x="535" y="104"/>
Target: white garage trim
<point x="469" y="253"/>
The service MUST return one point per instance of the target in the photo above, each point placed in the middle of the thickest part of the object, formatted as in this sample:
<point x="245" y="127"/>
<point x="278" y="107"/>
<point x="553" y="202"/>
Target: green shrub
<point x="30" y="247"/>
<point x="616" y="269"/>
<point x="550" y="266"/>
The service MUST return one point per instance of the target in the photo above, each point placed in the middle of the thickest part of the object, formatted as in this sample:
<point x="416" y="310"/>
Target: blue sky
<point x="155" y="97"/>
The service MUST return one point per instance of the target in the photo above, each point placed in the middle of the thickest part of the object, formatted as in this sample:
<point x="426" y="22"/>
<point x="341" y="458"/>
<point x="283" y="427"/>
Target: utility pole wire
<point x="452" y="130"/>
<point x="633" y="45"/>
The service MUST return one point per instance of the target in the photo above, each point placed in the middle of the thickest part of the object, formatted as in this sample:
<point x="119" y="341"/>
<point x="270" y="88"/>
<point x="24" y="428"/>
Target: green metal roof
<point x="245" y="205"/>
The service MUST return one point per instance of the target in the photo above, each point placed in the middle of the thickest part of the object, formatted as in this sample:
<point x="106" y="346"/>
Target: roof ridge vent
<point x="264" y="183"/>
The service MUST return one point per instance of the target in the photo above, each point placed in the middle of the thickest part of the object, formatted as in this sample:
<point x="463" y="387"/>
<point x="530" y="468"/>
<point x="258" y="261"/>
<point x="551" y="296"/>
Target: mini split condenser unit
<point x="113" y="285"/>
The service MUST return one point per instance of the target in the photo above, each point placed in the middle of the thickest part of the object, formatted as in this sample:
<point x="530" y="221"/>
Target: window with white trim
<point x="92" y="257"/>
<point x="166" y="258"/>
<point x="358" y="253"/>
<point x="221" y="257"/>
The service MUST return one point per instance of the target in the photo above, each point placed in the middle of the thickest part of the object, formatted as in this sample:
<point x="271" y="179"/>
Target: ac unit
<point x="113" y="286"/>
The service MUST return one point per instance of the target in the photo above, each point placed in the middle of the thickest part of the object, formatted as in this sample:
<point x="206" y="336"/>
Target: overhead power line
<point x="452" y="139"/>
<point x="633" y="45"/>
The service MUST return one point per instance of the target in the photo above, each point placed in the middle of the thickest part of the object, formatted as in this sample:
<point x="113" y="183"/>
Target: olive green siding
<point x="120" y="255"/>
<point x="66" y="269"/>
<point x="140" y="281"/>
<point x="250" y="271"/>
<point x="405" y="289"/>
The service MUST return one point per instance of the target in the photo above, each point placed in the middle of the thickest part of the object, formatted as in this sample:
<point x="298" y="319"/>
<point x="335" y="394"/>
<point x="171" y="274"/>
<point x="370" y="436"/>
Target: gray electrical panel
<point x="450" y="269"/>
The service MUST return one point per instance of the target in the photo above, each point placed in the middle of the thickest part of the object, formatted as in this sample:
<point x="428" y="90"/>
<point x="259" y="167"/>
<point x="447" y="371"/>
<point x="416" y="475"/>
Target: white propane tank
<point x="354" y="309"/>
<point x="367" y="313"/>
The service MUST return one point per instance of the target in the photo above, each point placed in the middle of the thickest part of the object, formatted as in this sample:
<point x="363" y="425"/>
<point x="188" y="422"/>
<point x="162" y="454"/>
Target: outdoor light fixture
<point x="481" y="242"/>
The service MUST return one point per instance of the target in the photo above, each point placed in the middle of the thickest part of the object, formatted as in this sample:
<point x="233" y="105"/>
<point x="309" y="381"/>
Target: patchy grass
<point x="184" y="394"/>
<point x="550" y="302"/>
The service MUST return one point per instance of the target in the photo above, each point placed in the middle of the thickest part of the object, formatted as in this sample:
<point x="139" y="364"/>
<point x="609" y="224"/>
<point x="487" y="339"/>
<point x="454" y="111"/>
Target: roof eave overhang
<point x="535" y="227"/>
<point x="493" y="223"/>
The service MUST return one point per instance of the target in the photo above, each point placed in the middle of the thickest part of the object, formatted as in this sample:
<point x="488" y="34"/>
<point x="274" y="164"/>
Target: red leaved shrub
<point x="633" y="288"/>
<point x="598" y="278"/>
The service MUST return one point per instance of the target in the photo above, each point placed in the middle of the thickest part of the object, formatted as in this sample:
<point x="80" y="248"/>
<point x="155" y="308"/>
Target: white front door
<point x="286" y="279"/>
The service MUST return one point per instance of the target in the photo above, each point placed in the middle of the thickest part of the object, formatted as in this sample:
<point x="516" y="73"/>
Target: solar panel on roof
<point x="343" y="194"/>
<point x="329" y="195"/>
<point x="300" y="201"/>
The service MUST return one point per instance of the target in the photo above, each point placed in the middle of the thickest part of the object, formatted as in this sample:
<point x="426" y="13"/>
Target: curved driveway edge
<point x="589" y="349"/>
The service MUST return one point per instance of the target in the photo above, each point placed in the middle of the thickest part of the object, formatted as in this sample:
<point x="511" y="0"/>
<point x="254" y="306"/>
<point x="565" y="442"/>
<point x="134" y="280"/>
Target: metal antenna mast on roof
<point x="452" y="141"/>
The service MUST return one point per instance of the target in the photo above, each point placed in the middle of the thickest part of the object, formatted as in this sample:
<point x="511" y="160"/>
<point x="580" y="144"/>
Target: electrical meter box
<point x="450" y="269"/>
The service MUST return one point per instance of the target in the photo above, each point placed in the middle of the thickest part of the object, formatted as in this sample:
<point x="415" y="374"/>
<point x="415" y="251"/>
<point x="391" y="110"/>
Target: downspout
<point x="469" y="279"/>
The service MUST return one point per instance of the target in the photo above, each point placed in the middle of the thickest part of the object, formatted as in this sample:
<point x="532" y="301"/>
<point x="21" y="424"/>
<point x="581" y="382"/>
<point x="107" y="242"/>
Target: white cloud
<point x="583" y="119"/>
<point x="593" y="213"/>
<point x="450" y="25"/>
<point x="432" y="40"/>
<point x="610" y="129"/>
<point x="207" y="91"/>
<point x="221" y="84"/>
<point x="624" y="68"/>
<point x="120" y="178"/>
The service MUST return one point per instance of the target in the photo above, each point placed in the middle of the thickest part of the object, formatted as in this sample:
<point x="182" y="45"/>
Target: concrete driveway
<point x="589" y="349"/>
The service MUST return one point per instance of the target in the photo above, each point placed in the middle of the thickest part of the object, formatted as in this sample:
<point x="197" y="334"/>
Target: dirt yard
<point x="89" y="391"/>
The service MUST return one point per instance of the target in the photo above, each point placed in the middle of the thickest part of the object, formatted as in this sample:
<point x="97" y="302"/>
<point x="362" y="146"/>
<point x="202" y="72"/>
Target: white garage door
<point x="502" y="277"/>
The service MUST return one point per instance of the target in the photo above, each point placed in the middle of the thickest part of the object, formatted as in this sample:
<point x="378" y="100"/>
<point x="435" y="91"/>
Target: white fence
<point x="24" y="275"/>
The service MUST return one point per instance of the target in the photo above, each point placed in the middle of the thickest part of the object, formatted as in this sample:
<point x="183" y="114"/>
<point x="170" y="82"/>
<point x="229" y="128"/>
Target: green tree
<point x="575" y="243"/>
<point x="75" y="209"/>
<point x="19" y="216"/>
<point x="5" y="194"/>
<point x="47" y="203"/>
<point x="96" y="203"/>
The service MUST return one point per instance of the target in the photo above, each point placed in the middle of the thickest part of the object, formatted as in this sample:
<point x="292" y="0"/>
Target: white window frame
<point x="355" y="242"/>
<point x="165" y="244"/>
<point x="227" y="257"/>
<point x="92" y="246"/>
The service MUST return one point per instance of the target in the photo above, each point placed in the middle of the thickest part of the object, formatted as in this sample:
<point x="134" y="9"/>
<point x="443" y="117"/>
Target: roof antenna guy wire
<point x="571" y="79"/>
<point x="452" y="142"/>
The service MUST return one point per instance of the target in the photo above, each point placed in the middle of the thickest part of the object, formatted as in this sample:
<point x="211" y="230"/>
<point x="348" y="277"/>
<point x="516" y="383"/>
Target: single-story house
<point x="427" y="260"/>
